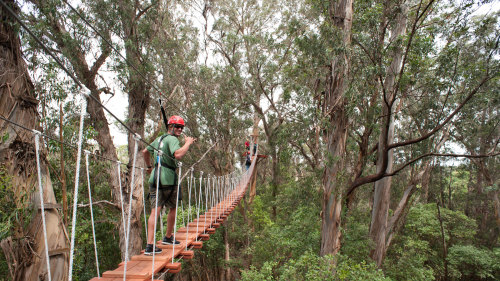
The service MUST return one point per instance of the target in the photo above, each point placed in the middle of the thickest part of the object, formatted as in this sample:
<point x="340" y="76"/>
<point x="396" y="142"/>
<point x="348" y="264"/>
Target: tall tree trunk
<point x="138" y="99"/>
<point x="227" y="258"/>
<point x="275" y="180"/>
<point x="25" y="249"/>
<point x="255" y="136"/>
<point x="380" y="212"/>
<point x="443" y="240"/>
<point x="336" y="133"/>
<point x="87" y="75"/>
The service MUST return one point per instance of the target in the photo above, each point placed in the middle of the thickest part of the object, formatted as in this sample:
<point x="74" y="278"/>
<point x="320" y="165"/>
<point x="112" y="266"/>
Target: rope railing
<point x="66" y="144"/>
<point x="136" y="147"/>
<point x="75" y="195"/>
<point x="42" y="208"/>
<point x="92" y="212"/>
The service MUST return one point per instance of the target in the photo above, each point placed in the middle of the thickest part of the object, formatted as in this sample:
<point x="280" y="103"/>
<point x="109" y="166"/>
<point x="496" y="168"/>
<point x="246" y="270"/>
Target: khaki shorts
<point x="166" y="196"/>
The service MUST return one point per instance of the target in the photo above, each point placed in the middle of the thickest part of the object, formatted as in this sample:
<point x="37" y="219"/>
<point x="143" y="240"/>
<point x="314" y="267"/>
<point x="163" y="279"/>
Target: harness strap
<point x="163" y="164"/>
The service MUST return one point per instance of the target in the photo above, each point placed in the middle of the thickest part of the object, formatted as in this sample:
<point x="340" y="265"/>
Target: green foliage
<point x="356" y="243"/>
<point x="8" y="210"/>
<point x="7" y="214"/>
<point x="308" y="266"/>
<point x="108" y="251"/>
<point x="408" y="259"/>
<point x="350" y="270"/>
<point x="260" y="215"/>
<point x="418" y="252"/>
<point x="467" y="262"/>
<point x="311" y="267"/>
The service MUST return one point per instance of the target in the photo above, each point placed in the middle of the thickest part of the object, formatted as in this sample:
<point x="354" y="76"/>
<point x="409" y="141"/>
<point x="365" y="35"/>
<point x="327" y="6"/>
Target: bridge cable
<point x="156" y="212"/>
<point x="199" y="206"/>
<point x="176" y="211"/>
<point x="77" y="178"/>
<point x="121" y="199"/>
<point x="44" y="135"/>
<point x="190" y="185"/>
<point x="136" y="138"/>
<point x="92" y="212"/>
<point x="144" y="204"/>
<point x="42" y="208"/>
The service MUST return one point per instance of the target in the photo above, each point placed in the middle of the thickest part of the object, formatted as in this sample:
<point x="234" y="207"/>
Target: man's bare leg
<point x="151" y="224"/>
<point x="170" y="222"/>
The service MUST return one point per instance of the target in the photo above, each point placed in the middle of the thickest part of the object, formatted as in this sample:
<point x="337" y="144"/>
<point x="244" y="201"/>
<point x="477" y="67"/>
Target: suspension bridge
<point x="225" y="196"/>
<point x="209" y="202"/>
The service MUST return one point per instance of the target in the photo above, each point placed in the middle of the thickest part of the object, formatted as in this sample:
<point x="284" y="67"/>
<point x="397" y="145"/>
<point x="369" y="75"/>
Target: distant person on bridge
<point x="167" y="191"/>
<point x="248" y="160"/>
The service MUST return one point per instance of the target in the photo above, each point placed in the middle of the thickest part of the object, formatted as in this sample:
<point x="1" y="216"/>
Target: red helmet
<point x="176" y="119"/>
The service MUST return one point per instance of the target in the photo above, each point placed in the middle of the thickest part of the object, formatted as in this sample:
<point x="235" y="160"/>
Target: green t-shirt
<point x="169" y="145"/>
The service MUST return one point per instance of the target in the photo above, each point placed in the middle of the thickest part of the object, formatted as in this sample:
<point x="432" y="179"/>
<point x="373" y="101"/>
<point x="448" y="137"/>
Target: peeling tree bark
<point x="138" y="100"/>
<point x="25" y="249"/>
<point x="334" y="108"/>
<point x="380" y="212"/>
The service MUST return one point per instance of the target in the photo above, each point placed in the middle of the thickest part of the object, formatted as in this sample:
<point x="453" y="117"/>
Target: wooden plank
<point x="58" y="252"/>
<point x="140" y="269"/>
<point x="118" y="279"/>
<point x="48" y="206"/>
<point x="119" y="271"/>
<point x="163" y="256"/>
<point x="183" y="236"/>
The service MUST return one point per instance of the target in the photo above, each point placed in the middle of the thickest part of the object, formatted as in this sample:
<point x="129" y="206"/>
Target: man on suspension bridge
<point x="167" y="190"/>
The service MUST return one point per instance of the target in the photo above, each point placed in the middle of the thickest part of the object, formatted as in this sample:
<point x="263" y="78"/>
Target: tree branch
<point x="437" y="128"/>
<point x="99" y="203"/>
<point x="440" y="155"/>
<point x="375" y="177"/>
<point x="100" y="61"/>
<point x="142" y="12"/>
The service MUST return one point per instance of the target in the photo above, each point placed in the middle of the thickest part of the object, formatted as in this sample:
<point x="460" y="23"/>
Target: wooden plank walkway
<point x="141" y="268"/>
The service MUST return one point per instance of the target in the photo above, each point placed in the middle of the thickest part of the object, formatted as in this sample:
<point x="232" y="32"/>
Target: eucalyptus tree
<point x="23" y="244"/>
<point x="330" y="50"/>
<point x="477" y="129"/>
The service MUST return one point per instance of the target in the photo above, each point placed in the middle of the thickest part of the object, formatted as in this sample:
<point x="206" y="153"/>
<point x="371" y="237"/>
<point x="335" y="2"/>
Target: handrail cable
<point x="92" y="212"/>
<point x="77" y="181"/>
<point x="176" y="211"/>
<point x="156" y="214"/>
<point x="199" y="206"/>
<point x="121" y="199"/>
<point x="42" y="208"/>
<point x="144" y="204"/>
<point x="127" y="235"/>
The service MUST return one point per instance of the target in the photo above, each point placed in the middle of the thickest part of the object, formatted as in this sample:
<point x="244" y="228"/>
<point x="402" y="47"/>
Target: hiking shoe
<point x="169" y="241"/>
<point x="149" y="250"/>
